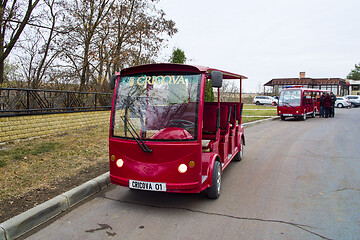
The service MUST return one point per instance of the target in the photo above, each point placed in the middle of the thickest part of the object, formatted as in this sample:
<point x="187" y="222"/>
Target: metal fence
<point x="16" y="101"/>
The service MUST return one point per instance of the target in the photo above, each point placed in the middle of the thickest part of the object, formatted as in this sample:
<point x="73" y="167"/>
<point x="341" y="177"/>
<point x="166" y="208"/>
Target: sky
<point x="266" y="39"/>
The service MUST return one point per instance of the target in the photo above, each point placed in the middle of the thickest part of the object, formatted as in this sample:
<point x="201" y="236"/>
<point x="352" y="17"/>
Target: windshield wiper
<point x="134" y="134"/>
<point x="288" y="104"/>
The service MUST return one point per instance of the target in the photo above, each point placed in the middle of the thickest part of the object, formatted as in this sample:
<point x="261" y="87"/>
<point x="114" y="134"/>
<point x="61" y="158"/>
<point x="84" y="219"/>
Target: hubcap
<point x="218" y="179"/>
<point x="242" y="150"/>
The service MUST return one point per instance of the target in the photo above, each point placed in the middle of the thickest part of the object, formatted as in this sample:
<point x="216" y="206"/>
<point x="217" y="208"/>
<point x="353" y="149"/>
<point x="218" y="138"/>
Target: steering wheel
<point x="181" y="123"/>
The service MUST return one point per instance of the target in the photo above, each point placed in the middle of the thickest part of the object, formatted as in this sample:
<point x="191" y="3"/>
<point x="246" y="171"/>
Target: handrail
<point x="17" y="101"/>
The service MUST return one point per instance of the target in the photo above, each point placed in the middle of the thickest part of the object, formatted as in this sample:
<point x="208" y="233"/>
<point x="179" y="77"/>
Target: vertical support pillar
<point x="240" y="90"/>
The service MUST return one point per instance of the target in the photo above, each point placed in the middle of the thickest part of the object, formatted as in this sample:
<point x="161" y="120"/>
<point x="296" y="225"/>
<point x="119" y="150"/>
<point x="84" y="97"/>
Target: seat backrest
<point x="224" y="114"/>
<point x="209" y="116"/>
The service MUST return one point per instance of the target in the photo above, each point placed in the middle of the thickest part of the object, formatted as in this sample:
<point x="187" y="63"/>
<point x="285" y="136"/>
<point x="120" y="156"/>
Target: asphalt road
<point x="298" y="180"/>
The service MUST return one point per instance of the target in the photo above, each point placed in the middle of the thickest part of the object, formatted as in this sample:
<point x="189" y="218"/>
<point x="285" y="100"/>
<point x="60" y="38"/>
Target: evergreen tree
<point x="355" y="73"/>
<point x="178" y="56"/>
<point x="209" y="93"/>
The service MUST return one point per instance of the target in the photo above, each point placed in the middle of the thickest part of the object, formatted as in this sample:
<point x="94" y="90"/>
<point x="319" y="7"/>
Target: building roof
<point x="305" y="81"/>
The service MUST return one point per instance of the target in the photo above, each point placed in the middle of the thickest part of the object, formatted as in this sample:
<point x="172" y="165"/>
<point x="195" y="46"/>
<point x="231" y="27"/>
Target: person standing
<point x="321" y="103"/>
<point x="332" y="109"/>
<point x="327" y="103"/>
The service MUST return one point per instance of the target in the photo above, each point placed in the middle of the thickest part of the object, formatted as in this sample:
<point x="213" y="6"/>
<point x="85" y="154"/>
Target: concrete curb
<point x="24" y="222"/>
<point x="2" y="233"/>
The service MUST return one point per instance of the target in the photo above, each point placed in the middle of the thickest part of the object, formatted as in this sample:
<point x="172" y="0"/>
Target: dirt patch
<point x="16" y="205"/>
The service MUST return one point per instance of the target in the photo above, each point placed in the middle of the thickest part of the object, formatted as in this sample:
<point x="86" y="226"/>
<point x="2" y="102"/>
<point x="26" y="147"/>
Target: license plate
<point x="287" y="115"/>
<point x="149" y="186"/>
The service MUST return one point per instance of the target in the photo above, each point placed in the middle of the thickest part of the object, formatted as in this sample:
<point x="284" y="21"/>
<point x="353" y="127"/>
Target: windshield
<point x="157" y="107"/>
<point x="290" y="98"/>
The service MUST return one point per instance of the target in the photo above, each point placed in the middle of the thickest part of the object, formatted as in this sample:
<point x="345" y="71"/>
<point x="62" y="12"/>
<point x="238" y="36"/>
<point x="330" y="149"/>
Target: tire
<point x="313" y="114"/>
<point x="257" y="103"/>
<point x="340" y="105"/>
<point x="240" y="155"/>
<point x="304" y="117"/>
<point x="213" y="192"/>
<point x="353" y="105"/>
<point x="282" y="118"/>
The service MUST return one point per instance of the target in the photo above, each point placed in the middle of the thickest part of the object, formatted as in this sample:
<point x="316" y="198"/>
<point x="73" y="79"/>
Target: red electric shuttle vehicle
<point x="165" y="137"/>
<point x="295" y="101"/>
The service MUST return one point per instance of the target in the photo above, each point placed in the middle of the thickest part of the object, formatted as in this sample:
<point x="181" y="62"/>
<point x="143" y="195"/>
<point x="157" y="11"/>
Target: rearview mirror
<point x="216" y="79"/>
<point x="113" y="81"/>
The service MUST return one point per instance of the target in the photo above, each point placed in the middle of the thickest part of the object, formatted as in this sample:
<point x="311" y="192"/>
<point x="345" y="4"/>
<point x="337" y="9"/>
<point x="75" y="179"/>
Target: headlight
<point x="182" y="168"/>
<point x="119" y="163"/>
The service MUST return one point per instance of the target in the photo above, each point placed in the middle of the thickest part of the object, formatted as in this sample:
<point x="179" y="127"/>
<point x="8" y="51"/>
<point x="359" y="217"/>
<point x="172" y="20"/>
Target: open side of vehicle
<point x="165" y="137"/>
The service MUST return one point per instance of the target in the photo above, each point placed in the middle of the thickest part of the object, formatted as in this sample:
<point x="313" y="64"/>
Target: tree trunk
<point x="2" y="75"/>
<point x="15" y="34"/>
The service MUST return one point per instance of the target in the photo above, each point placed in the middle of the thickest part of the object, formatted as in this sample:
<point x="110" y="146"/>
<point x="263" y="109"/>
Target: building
<point x="354" y="87"/>
<point x="338" y="86"/>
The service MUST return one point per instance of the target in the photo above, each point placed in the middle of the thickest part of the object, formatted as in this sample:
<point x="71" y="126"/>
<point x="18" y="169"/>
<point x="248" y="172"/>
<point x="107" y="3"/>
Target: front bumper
<point x="192" y="187"/>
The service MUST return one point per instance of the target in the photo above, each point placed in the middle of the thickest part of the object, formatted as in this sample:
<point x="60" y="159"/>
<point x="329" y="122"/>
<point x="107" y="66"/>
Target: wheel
<point x="282" y="118"/>
<point x="213" y="192"/>
<point x="313" y="114"/>
<point x="239" y="156"/>
<point x="304" y="117"/>
<point x="353" y="105"/>
<point x="257" y="103"/>
<point x="340" y="105"/>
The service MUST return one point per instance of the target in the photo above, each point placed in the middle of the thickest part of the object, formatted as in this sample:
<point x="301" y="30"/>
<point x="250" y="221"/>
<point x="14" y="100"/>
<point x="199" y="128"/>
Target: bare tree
<point x="85" y="41"/>
<point x="38" y="50"/>
<point x="82" y="21"/>
<point x="13" y="19"/>
<point x="138" y="32"/>
<point x="113" y="35"/>
<point x="230" y="92"/>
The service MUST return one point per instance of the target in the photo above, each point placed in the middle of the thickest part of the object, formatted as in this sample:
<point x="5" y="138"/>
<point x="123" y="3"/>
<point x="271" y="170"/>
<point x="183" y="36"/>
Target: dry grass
<point x="37" y="163"/>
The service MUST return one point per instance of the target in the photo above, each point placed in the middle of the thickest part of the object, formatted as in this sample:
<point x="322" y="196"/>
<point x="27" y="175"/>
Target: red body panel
<point x="159" y="166"/>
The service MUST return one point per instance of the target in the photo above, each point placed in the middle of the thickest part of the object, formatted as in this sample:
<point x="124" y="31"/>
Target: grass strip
<point x="270" y="112"/>
<point x="26" y="166"/>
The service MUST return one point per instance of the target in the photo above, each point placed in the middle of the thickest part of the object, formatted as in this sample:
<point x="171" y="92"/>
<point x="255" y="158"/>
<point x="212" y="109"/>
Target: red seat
<point x="209" y="122"/>
<point x="224" y="119"/>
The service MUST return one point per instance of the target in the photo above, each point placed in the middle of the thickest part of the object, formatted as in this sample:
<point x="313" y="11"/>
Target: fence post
<point x="95" y="100"/>
<point x="28" y="100"/>
<point x="67" y="101"/>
